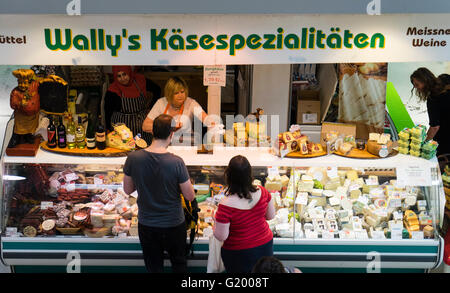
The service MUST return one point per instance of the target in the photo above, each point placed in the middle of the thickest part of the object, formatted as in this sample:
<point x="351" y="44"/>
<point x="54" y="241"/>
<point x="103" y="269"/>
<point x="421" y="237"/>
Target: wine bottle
<point x="90" y="133"/>
<point x="70" y="135"/>
<point x="61" y="134"/>
<point x="100" y="135"/>
<point x="51" y="134"/>
<point x="80" y="135"/>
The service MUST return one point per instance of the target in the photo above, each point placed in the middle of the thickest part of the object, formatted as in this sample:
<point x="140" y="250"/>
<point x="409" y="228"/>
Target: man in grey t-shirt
<point x="159" y="178"/>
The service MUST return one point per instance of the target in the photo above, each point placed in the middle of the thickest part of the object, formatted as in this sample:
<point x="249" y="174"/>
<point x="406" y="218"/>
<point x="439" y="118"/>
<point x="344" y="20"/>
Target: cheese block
<point x="352" y="175"/>
<point x="383" y="138"/>
<point x="346" y="148"/>
<point x="284" y="181"/>
<point x="317" y="192"/>
<point x="329" y="193"/>
<point x="374" y="136"/>
<point x="428" y="231"/>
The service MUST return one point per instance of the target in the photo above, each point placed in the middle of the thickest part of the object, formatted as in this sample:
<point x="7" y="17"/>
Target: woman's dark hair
<point x="162" y="126"/>
<point x="268" y="264"/>
<point x="238" y="177"/>
<point x="432" y="85"/>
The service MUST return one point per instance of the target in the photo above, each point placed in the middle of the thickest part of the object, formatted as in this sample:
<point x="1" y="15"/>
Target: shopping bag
<point x="215" y="263"/>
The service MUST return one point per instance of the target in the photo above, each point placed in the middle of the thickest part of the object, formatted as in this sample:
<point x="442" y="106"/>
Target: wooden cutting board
<point x="363" y="154"/>
<point x="107" y="152"/>
<point x="298" y="155"/>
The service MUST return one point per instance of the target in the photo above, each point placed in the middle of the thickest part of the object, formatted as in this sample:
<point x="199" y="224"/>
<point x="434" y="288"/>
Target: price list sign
<point x="413" y="175"/>
<point x="214" y="75"/>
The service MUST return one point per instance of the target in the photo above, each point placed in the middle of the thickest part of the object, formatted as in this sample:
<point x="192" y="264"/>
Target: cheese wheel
<point x="29" y="231"/>
<point x="48" y="225"/>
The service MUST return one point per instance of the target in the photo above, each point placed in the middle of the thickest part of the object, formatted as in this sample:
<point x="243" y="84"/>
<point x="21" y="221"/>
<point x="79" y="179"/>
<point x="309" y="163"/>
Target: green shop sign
<point x="164" y="39"/>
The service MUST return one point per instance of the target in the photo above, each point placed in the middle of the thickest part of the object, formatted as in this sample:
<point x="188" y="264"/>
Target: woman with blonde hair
<point x="176" y="103"/>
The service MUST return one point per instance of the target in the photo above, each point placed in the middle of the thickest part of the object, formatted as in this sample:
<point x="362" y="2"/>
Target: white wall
<point x="270" y="91"/>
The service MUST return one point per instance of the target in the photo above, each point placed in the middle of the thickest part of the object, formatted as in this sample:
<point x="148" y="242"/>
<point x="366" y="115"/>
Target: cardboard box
<point x="308" y="107"/>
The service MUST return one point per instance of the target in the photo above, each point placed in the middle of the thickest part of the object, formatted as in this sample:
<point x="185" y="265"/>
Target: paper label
<point x="273" y="171"/>
<point x="311" y="234"/>
<point x="327" y="235"/>
<point x="361" y="234"/>
<point x="413" y="175"/>
<point x="397" y="215"/>
<point x="396" y="234"/>
<point x="214" y="75"/>
<point x="98" y="181"/>
<point x="302" y="198"/>
<point x="70" y="187"/>
<point x="332" y="172"/>
<point x="378" y="235"/>
<point x="46" y="204"/>
<point x="11" y="232"/>
<point x="395" y="203"/>
<point x="417" y="235"/>
<point x="309" y="118"/>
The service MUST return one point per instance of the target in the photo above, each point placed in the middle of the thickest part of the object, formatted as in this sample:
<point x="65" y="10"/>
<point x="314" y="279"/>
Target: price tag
<point x="302" y="198"/>
<point x="310" y="234"/>
<point x="327" y="235"/>
<point x="46" y="204"/>
<point x="71" y="177"/>
<point x="11" y="231"/>
<point x="70" y="186"/>
<point x="310" y="118"/>
<point x="396" y="234"/>
<point x="98" y="181"/>
<point x="417" y="235"/>
<point x="397" y="215"/>
<point x="272" y="172"/>
<point x="413" y="175"/>
<point x="395" y="203"/>
<point x="378" y="235"/>
<point x="332" y="172"/>
<point x="361" y="235"/>
<point x="214" y="75"/>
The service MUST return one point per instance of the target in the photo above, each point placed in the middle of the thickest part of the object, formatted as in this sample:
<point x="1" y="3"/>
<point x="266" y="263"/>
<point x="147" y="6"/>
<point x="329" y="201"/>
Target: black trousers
<point x="154" y="241"/>
<point x="242" y="261"/>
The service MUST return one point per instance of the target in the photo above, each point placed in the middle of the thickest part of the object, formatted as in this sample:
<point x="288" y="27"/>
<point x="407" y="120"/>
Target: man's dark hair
<point x="162" y="126"/>
<point x="268" y="264"/>
<point x="444" y="78"/>
<point x="238" y="177"/>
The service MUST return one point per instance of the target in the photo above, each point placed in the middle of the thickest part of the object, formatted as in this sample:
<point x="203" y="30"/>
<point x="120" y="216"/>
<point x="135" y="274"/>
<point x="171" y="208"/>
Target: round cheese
<point x="48" y="225"/>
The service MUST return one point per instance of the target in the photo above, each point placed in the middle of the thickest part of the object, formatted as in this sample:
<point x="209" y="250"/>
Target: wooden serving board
<point x="363" y="154"/>
<point x="298" y="155"/>
<point x="107" y="152"/>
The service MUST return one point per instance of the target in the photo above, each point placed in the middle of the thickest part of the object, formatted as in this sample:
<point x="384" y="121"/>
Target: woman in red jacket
<point x="241" y="219"/>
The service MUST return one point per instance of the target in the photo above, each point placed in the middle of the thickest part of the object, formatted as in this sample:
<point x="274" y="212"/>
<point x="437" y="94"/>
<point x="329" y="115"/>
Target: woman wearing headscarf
<point x="127" y="101"/>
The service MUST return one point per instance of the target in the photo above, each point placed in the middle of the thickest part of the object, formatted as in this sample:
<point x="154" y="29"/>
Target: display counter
<point x="387" y="240"/>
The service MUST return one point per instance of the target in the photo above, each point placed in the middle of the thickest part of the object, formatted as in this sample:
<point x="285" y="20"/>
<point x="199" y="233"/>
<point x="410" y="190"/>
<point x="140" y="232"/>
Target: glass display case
<point x="331" y="212"/>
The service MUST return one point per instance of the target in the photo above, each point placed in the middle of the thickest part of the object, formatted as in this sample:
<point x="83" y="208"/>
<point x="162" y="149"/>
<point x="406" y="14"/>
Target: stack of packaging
<point x="412" y="141"/>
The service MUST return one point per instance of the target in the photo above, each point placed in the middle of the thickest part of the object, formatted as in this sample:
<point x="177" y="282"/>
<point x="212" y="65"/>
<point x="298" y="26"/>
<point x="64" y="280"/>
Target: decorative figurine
<point x="25" y="102"/>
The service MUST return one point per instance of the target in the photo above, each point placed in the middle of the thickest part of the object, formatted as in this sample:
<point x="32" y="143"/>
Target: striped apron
<point x="133" y="113"/>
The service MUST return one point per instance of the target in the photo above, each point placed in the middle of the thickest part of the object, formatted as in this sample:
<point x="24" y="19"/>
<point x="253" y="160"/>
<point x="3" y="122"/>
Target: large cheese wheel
<point x="374" y="148"/>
